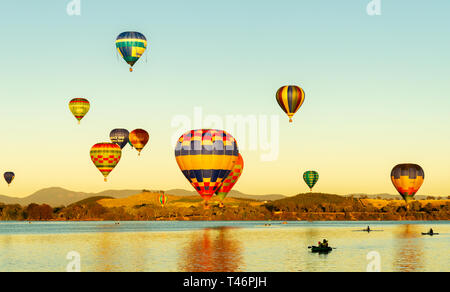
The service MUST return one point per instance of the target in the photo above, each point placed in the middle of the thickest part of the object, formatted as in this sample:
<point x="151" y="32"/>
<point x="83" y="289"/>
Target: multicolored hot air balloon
<point x="231" y="179"/>
<point x="407" y="179"/>
<point x="138" y="139"/>
<point x="206" y="157"/>
<point x="290" y="98"/>
<point x="79" y="107"/>
<point x="310" y="177"/>
<point x="105" y="157"/>
<point x="163" y="200"/>
<point x="9" y="176"/>
<point x="120" y="137"/>
<point x="131" y="46"/>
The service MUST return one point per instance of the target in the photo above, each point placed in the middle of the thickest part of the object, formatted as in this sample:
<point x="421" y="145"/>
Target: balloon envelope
<point x="290" y="98"/>
<point x="407" y="179"/>
<point x="9" y="176"/>
<point x="163" y="199"/>
<point x="105" y="157"/>
<point x="131" y="46"/>
<point x="206" y="157"/>
<point x="120" y="137"/>
<point x="138" y="139"/>
<point x="231" y="179"/>
<point x="79" y="107"/>
<point x="311" y="177"/>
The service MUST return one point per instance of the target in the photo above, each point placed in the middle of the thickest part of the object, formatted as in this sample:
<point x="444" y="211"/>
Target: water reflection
<point x="408" y="250"/>
<point x="215" y="250"/>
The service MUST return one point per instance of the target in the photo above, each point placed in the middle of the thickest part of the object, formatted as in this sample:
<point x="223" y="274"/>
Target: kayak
<point x="321" y="249"/>
<point x="427" y="233"/>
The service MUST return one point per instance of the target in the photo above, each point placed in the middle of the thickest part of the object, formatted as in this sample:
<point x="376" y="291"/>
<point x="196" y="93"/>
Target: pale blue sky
<point x="376" y="89"/>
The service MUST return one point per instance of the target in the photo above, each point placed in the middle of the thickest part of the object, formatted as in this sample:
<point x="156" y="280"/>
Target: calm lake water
<point x="222" y="246"/>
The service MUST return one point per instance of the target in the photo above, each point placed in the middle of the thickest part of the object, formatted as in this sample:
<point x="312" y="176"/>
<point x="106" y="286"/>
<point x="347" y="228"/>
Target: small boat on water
<point x="321" y="249"/>
<point x="429" y="233"/>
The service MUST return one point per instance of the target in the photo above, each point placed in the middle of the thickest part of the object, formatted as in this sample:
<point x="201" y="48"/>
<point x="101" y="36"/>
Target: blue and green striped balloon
<point x="131" y="46"/>
<point x="311" y="177"/>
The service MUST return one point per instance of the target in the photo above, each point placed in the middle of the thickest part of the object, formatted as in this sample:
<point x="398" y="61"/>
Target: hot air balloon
<point x="138" y="138"/>
<point x="407" y="179"/>
<point x="290" y="98"/>
<point x="131" y="46"/>
<point x="231" y="179"/>
<point x="206" y="157"/>
<point x="120" y="137"/>
<point x="105" y="157"/>
<point x="163" y="200"/>
<point x="79" y="107"/>
<point x="310" y="177"/>
<point x="9" y="176"/>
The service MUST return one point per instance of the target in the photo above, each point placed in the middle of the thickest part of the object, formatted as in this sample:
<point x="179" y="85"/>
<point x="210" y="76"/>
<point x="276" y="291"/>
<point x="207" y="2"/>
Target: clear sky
<point x="377" y="90"/>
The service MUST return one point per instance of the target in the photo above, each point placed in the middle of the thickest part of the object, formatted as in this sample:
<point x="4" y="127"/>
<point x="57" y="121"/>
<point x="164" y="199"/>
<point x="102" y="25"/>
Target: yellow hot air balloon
<point x="407" y="179"/>
<point x="105" y="157"/>
<point x="79" y="107"/>
<point x="206" y="157"/>
<point x="290" y="98"/>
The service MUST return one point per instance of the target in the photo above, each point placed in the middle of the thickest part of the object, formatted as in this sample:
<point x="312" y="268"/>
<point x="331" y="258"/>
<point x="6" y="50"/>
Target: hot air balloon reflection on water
<point x="310" y="177"/>
<point x="138" y="139"/>
<point x="206" y="157"/>
<point x="105" y="157"/>
<point x="407" y="179"/>
<point x="9" y="177"/>
<point x="79" y="107"/>
<point x="290" y="98"/>
<point x="120" y="137"/>
<point x="131" y="45"/>
<point x="231" y="180"/>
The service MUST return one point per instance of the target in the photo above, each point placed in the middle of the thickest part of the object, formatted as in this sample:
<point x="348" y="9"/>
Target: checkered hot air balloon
<point x="290" y="98"/>
<point x="231" y="179"/>
<point x="120" y="137"/>
<point x="131" y="45"/>
<point x="79" y="107"/>
<point x="138" y="139"/>
<point x="206" y="157"/>
<point x="105" y="157"/>
<point x="310" y="177"/>
<point x="9" y="176"/>
<point x="407" y="179"/>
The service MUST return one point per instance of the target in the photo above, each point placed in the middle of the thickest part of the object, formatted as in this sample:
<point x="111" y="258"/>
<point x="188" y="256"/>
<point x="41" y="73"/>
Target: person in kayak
<point x="319" y="244"/>
<point x="431" y="231"/>
<point x="368" y="228"/>
<point x="325" y="243"/>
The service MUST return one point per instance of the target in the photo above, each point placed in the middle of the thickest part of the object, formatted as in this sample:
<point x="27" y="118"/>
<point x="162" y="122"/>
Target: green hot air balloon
<point x="311" y="177"/>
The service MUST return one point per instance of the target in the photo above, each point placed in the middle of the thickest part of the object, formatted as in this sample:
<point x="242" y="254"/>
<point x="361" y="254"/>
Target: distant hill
<point x="56" y="196"/>
<point x="90" y="200"/>
<point x="152" y="198"/>
<point x="385" y="196"/>
<point x="313" y="199"/>
<point x="232" y="194"/>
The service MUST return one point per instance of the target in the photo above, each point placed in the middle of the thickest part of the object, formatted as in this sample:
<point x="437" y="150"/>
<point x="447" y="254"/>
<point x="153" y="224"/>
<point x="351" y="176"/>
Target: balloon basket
<point x="290" y="120"/>
<point x="104" y="179"/>
<point x="131" y="69"/>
